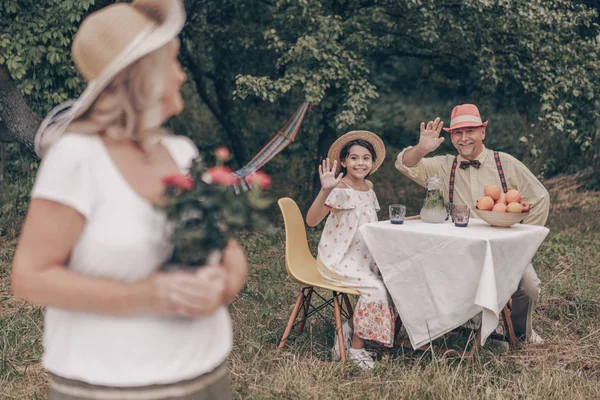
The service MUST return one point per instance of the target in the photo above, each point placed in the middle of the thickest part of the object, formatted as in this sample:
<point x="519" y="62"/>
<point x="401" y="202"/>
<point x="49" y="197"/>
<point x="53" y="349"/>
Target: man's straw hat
<point x="465" y="115"/>
<point x="376" y="142"/>
<point x="108" y="41"/>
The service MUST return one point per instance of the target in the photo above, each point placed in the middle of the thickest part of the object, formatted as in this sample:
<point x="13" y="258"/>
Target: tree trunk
<point x="2" y="156"/>
<point x="223" y="92"/>
<point x="4" y="135"/>
<point x="596" y="160"/>
<point x="18" y="122"/>
<point x="217" y="103"/>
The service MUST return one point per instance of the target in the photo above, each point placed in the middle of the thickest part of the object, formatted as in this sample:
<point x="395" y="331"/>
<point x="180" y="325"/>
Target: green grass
<point x="566" y="366"/>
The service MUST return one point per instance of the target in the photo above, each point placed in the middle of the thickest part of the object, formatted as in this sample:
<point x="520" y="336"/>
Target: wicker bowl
<point x="504" y="219"/>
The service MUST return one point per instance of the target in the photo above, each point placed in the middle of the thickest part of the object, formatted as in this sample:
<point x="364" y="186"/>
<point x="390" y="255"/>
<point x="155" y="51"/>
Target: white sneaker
<point x="535" y="338"/>
<point x="347" y="333"/>
<point x="362" y="358"/>
<point x="500" y="329"/>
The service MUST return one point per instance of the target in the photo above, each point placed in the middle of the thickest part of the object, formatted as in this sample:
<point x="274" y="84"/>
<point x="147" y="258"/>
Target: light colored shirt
<point x="469" y="183"/>
<point x="124" y="239"/>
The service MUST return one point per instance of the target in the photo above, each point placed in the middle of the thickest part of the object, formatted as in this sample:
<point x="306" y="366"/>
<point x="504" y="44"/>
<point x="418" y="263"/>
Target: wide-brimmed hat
<point x="465" y="115"/>
<point x="376" y="142"/>
<point x="108" y="41"/>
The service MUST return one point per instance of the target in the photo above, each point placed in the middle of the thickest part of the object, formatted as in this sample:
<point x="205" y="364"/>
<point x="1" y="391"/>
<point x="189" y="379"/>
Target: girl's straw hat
<point x="108" y="41"/>
<point x="376" y="142"/>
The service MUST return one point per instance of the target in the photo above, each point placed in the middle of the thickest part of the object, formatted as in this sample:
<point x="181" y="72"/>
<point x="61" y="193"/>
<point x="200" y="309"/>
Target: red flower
<point x="222" y="153"/>
<point x="259" y="178"/>
<point x="178" y="180"/>
<point x="219" y="175"/>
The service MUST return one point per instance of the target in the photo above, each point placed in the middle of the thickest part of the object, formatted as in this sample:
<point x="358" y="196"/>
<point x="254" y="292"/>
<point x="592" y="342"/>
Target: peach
<point x="485" y="203"/>
<point x="513" y="196"/>
<point x="493" y="191"/>
<point x="526" y="206"/>
<point x="502" y="199"/>
<point x="514" y="207"/>
<point x="499" y="207"/>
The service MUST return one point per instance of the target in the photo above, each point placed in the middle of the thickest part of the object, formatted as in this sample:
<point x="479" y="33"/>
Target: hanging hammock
<point x="282" y="139"/>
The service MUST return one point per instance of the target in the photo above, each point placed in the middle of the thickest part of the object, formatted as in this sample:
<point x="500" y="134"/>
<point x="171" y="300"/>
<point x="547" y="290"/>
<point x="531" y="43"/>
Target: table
<point x="440" y="276"/>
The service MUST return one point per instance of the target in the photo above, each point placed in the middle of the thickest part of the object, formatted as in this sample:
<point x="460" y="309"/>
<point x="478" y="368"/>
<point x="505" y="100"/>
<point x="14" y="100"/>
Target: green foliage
<point x="35" y="42"/>
<point x="318" y="57"/>
<point x="532" y="66"/>
<point x="434" y="199"/>
<point x="539" y="58"/>
<point x="220" y="40"/>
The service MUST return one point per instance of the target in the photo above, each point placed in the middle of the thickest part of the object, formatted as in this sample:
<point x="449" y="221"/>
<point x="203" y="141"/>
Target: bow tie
<point x="467" y="164"/>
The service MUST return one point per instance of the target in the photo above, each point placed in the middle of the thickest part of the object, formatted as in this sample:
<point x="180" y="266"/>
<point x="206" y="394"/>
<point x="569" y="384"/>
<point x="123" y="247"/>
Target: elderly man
<point x="465" y="176"/>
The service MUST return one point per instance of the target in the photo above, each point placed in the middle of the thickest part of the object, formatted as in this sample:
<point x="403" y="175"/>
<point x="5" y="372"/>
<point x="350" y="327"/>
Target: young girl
<point x="343" y="257"/>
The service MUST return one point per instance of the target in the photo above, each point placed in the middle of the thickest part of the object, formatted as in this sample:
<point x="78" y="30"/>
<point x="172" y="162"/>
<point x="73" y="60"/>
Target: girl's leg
<point x="359" y="356"/>
<point x="374" y="316"/>
<point x="357" y="342"/>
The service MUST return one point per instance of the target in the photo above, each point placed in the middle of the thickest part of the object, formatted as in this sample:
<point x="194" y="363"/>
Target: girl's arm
<point x="39" y="274"/>
<point x="318" y="210"/>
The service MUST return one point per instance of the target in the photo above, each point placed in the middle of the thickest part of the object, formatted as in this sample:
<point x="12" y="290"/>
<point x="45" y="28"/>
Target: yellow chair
<point x="301" y="267"/>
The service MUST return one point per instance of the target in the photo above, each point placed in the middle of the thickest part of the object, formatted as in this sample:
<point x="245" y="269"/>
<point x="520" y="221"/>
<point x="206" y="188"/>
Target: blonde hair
<point x="130" y="106"/>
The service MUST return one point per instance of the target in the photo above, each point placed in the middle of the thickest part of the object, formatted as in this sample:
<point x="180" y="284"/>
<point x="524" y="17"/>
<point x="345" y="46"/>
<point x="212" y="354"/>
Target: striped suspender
<point x="500" y="172"/>
<point x="453" y="176"/>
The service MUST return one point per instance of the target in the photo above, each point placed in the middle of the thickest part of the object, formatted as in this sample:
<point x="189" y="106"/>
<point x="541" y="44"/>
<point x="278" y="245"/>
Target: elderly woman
<point x="94" y="239"/>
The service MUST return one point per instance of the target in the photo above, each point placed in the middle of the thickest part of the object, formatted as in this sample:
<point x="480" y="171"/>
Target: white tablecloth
<point x="439" y="275"/>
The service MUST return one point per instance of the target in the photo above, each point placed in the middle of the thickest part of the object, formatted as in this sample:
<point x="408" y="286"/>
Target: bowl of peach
<point x="501" y="209"/>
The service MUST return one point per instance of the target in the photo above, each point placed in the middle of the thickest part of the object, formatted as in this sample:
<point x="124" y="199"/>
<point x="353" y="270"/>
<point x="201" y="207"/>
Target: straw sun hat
<point x="108" y="41"/>
<point x="376" y="142"/>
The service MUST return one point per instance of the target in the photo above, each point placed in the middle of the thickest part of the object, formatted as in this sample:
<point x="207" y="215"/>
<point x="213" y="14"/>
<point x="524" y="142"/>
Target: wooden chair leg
<point x="348" y="305"/>
<point x="288" y="328"/>
<point x="305" y="310"/>
<point x="512" y="338"/>
<point x="338" y="326"/>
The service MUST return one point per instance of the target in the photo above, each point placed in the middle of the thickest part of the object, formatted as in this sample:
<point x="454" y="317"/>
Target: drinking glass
<point x="397" y="213"/>
<point x="461" y="215"/>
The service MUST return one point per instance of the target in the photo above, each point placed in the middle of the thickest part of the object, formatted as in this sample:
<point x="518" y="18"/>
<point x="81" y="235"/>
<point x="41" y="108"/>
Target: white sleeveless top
<point x="123" y="239"/>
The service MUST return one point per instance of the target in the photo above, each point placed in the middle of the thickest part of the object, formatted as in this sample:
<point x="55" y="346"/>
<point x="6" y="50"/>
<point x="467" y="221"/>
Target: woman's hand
<point x="327" y="175"/>
<point x="187" y="294"/>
